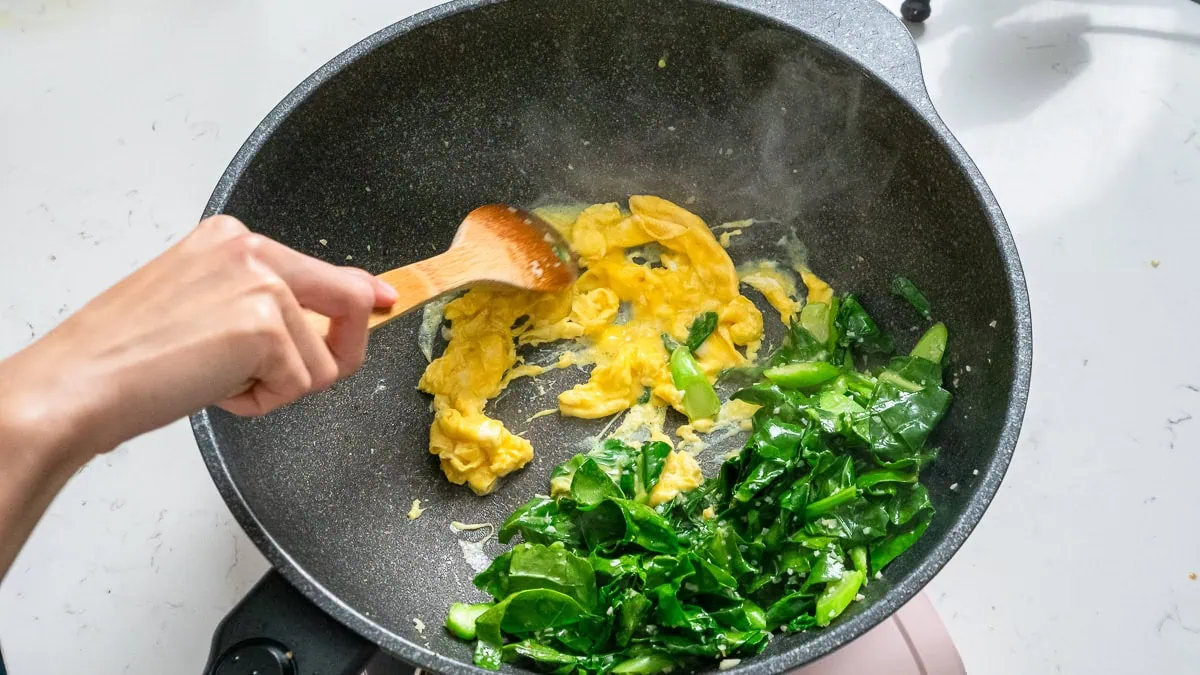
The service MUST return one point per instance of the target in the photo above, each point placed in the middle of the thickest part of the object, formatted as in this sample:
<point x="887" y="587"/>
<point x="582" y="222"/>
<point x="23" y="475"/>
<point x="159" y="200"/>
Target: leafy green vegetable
<point x="532" y="566"/>
<point x="487" y="656"/>
<point x="670" y="344"/>
<point x="802" y="375"/>
<point x="461" y="618"/>
<point x="645" y="664"/>
<point x="591" y="486"/>
<point x="858" y="329"/>
<point x="932" y="345"/>
<point x="906" y="289"/>
<point x="837" y="596"/>
<point x="545" y="657"/>
<point x="701" y="328"/>
<point x="817" y="318"/>
<point x="527" y="611"/>
<point x="825" y="493"/>
<point x="699" y="398"/>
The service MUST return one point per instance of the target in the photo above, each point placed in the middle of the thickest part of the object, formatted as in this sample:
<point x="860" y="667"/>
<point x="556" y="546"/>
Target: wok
<point x="808" y="113"/>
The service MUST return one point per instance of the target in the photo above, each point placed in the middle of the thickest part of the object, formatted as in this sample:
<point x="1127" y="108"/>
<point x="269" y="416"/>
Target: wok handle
<point x="870" y="34"/>
<point x="275" y="630"/>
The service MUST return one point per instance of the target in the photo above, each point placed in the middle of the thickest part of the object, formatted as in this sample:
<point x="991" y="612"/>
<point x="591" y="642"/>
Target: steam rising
<point x="768" y="126"/>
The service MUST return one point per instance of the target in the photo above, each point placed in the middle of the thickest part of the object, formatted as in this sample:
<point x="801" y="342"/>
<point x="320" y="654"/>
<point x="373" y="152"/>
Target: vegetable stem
<point x="461" y="619"/>
<point x="932" y="345"/>
<point x="831" y="502"/>
<point x="699" y="398"/>
<point x="802" y="375"/>
<point x="838" y="595"/>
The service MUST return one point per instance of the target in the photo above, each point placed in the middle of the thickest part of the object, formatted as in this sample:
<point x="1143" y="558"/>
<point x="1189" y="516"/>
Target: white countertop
<point x="116" y="119"/>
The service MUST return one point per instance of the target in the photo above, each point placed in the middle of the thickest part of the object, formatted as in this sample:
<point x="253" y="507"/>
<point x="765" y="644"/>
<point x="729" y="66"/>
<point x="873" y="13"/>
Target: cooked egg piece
<point x="680" y="473"/>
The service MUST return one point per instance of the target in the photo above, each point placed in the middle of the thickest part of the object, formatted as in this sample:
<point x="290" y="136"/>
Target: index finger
<point x="345" y="295"/>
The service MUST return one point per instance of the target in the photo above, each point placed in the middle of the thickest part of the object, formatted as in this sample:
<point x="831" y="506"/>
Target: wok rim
<point x="826" y="641"/>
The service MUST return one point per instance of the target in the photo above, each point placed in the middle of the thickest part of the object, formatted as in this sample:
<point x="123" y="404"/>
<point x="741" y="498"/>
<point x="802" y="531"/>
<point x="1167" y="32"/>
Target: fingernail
<point x="385" y="294"/>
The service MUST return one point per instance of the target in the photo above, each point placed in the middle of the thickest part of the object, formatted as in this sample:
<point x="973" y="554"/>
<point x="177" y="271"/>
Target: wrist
<point x="45" y="415"/>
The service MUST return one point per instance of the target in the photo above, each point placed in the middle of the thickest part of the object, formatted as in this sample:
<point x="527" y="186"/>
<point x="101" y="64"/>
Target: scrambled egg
<point x="680" y="473"/>
<point x="626" y="297"/>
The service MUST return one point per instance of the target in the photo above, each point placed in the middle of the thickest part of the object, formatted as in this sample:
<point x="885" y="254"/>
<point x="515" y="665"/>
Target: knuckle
<point x="246" y="246"/>
<point x="222" y="225"/>
<point x="273" y="285"/>
<point x="262" y="319"/>
<point x="252" y="242"/>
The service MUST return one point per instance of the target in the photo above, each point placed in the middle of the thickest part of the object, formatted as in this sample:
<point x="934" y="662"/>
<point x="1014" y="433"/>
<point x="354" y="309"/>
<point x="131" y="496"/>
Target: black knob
<point x="917" y="11"/>
<point x="256" y="657"/>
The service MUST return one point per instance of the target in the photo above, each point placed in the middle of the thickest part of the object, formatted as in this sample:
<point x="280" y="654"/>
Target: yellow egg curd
<point x="644" y="272"/>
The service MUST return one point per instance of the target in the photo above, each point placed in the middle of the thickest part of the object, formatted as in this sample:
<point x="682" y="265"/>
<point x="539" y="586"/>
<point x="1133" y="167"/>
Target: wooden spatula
<point x="496" y="244"/>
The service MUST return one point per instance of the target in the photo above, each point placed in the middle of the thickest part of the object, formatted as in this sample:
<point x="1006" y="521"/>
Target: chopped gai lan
<point x="825" y="494"/>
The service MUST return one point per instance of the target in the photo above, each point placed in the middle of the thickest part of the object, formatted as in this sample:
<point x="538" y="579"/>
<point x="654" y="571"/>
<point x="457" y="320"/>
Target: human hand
<point x="218" y="318"/>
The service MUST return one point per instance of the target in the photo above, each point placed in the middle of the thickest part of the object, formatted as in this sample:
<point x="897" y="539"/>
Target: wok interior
<point x="533" y="101"/>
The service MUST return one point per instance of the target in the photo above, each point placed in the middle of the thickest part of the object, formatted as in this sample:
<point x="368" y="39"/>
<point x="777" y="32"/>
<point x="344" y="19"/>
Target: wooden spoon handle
<point x="415" y="285"/>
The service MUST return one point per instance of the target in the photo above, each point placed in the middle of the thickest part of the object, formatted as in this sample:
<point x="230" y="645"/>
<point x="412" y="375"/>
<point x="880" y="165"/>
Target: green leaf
<point x="789" y="607"/>
<point x="918" y="372"/>
<point x="632" y="611"/>
<point x="533" y="566"/>
<point x="702" y="326"/>
<point x="770" y="396"/>
<point x="654" y="458"/>
<point x="726" y="548"/>
<point x="828" y="566"/>
<point x="494" y="579"/>
<point x="859" y="331"/>
<point x="759" y="478"/>
<point x="799" y="345"/>
<point x="621" y="521"/>
<point x="713" y="580"/>
<point x="540" y="521"/>
<point x="740" y="376"/>
<point x="613" y="569"/>
<point x="744" y="616"/>
<point x="884" y="481"/>
<point x="906" y="502"/>
<point x="545" y="657"/>
<point x="890" y="548"/>
<point x="487" y="656"/>
<point x="906" y="289"/>
<point x="901" y="421"/>
<point x="775" y="439"/>
<point x="591" y="486"/>
<point x="668" y="570"/>
<point x="527" y="612"/>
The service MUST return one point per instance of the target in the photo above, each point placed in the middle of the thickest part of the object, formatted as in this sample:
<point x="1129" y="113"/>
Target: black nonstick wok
<point x="808" y="113"/>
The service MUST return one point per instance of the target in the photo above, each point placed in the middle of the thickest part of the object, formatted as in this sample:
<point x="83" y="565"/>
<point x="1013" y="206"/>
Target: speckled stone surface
<point x="813" y="114"/>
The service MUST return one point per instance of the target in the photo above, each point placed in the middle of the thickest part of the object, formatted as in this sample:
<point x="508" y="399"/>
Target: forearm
<point x="31" y="474"/>
<point x="44" y="439"/>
